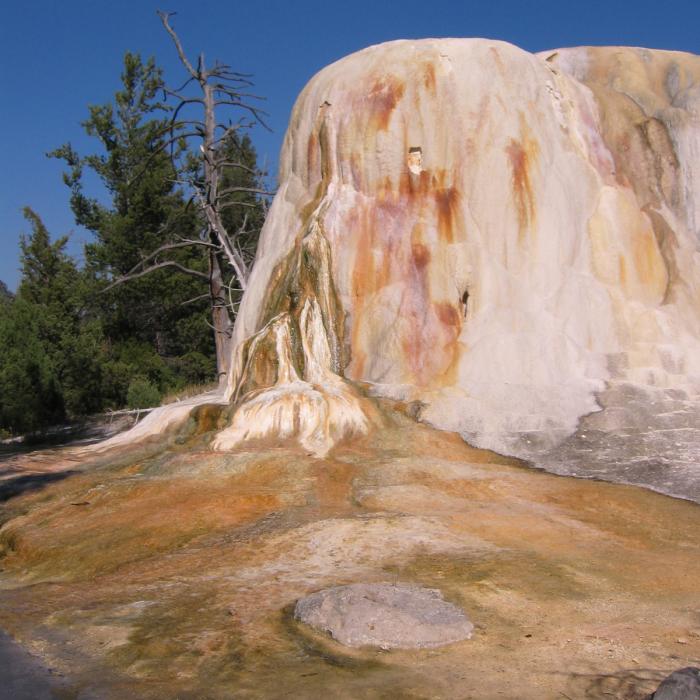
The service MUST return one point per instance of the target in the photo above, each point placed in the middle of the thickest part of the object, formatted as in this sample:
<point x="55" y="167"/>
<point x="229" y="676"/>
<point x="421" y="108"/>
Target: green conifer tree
<point x="50" y="348"/>
<point x="157" y="318"/>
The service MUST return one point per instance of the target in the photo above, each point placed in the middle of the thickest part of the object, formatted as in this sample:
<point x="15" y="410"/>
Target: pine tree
<point x="50" y="350"/>
<point x="160" y="314"/>
<point x="6" y="295"/>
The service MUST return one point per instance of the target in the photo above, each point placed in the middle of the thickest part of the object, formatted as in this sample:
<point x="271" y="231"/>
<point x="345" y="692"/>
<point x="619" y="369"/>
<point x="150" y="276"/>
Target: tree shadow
<point x="625" y="684"/>
<point x="26" y="483"/>
<point x="70" y="434"/>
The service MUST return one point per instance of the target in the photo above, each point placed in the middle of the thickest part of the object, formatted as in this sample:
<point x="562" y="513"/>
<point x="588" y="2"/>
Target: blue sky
<point x="58" y="57"/>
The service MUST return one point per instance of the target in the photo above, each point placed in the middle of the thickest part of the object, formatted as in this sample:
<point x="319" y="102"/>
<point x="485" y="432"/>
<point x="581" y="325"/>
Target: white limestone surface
<point x="508" y="233"/>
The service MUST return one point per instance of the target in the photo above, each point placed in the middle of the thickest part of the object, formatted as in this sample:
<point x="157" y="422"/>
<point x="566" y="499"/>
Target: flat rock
<point x="385" y="615"/>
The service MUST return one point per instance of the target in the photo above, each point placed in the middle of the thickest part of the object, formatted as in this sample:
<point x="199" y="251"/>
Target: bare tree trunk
<point x="219" y="307"/>
<point x="221" y="319"/>
<point x="217" y="230"/>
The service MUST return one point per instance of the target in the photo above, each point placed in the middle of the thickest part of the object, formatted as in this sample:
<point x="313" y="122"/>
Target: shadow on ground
<point x="26" y="483"/>
<point x="625" y="684"/>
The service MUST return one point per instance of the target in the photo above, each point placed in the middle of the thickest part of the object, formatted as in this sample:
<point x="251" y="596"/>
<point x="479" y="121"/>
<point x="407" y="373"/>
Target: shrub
<point x="142" y="394"/>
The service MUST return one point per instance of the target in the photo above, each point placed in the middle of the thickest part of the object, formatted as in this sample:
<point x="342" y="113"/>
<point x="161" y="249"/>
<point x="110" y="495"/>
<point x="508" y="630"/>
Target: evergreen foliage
<point x="242" y="210"/>
<point x="74" y="341"/>
<point x="137" y="172"/>
<point x="142" y="393"/>
<point x="6" y="295"/>
<point x="50" y="348"/>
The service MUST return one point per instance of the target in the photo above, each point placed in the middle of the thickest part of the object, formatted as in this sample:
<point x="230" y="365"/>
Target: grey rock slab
<point x="385" y="615"/>
<point x="643" y="436"/>
<point x="683" y="684"/>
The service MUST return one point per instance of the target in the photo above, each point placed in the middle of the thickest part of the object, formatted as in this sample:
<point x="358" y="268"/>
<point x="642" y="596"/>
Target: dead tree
<point x="217" y="89"/>
<point x="196" y="129"/>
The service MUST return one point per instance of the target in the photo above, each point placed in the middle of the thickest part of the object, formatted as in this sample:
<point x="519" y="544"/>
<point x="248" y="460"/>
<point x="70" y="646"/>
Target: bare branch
<point x="235" y="92"/>
<point x="252" y="190"/>
<point x="193" y="241"/>
<point x="241" y="228"/>
<point x="257" y="113"/>
<point x="228" y="130"/>
<point x="179" y="96"/>
<point x="157" y="266"/>
<point x="161" y="249"/>
<point x="217" y="229"/>
<point x="227" y="331"/>
<point x="184" y="85"/>
<point x="232" y="75"/>
<point x="183" y="103"/>
<point x="228" y="205"/>
<point x="238" y="103"/>
<point x="187" y="122"/>
<point x="157" y="151"/>
<point x="165" y="19"/>
<point x="193" y="299"/>
<point x="235" y="164"/>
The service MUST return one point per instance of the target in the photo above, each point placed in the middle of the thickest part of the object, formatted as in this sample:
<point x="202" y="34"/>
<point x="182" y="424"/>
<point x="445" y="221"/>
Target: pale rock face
<point x="385" y="615"/>
<point x="498" y="235"/>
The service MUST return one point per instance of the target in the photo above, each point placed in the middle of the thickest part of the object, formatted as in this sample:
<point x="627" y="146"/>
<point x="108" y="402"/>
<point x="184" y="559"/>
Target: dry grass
<point x="187" y="392"/>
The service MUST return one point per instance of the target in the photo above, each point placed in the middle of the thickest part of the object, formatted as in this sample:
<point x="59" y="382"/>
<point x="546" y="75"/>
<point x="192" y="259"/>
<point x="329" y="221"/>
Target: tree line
<point x="150" y="309"/>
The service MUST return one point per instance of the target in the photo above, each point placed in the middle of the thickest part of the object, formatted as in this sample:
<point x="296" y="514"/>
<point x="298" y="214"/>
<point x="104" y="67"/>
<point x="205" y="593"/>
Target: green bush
<point x="142" y="394"/>
<point x="196" y="368"/>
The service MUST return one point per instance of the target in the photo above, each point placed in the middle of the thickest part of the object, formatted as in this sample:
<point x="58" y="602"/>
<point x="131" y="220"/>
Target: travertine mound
<point x="501" y="237"/>
<point x="385" y="615"/>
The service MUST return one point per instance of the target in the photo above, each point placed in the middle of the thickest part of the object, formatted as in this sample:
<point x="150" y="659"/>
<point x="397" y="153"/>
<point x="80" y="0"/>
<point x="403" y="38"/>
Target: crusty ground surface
<point x="171" y="572"/>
